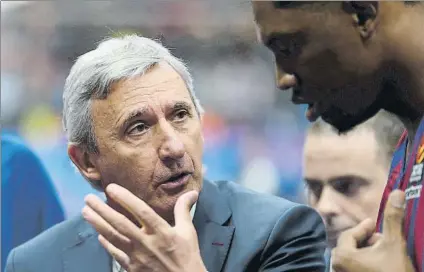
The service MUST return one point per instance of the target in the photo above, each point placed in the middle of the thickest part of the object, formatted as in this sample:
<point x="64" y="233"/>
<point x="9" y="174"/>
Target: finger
<point x="108" y="222"/>
<point x="105" y="228"/>
<point x="120" y="256"/>
<point x="341" y="261"/>
<point x="142" y="212"/>
<point x="355" y="236"/>
<point x="393" y="216"/>
<point x="374" y="239"/>
<point x="183" y="206"/>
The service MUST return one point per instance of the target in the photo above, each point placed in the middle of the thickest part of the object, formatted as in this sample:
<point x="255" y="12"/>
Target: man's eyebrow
<point x="181" y="105"/>
<point x="310" y="181"/>
<point x="131" y="116"/>
<point x="349" y="178"/>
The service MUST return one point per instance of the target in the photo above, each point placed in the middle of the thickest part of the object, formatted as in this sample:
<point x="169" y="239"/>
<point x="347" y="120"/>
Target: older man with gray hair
<point x="134" y="129"/>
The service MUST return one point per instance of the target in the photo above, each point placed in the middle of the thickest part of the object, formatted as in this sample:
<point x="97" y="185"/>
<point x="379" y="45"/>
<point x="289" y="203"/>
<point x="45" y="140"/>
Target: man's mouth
<point x="312" y="113"/>
<point x="176" y="181"/>
<point x="176" y="177"/>
<point x="314" y="108"/>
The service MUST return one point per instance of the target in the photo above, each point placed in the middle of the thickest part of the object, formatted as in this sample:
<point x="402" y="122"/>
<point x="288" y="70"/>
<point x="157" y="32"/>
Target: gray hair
<point x="93" y="74"/>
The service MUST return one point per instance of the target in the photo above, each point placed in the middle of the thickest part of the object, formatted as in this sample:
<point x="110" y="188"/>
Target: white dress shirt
<point x="116" y="267"/>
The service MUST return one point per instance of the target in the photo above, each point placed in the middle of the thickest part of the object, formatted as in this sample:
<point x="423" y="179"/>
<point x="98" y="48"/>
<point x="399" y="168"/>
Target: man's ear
<point x="364" y="15"/>
<point x="84" y="161"/>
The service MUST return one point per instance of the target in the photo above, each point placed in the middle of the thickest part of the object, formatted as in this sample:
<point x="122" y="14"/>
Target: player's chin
<point x="344" y="122"/>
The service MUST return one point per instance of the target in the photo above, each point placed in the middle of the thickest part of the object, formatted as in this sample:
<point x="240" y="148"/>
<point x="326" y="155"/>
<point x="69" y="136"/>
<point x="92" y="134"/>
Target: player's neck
<point x="412" y="128"/>
<point x="404" y="67"/>
<point x="399" y="99"/>
<point x="404" y="78"/>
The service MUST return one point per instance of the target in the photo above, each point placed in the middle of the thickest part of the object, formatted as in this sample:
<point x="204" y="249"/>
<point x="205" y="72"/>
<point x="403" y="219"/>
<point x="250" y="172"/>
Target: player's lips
<point x="294" y="82"/>
<point x="314" y="108"/>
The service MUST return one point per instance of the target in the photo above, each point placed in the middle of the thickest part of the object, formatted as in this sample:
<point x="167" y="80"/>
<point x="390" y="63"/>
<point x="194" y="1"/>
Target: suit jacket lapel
<point x="211" y="220"/>
<point x="86" y="254"/>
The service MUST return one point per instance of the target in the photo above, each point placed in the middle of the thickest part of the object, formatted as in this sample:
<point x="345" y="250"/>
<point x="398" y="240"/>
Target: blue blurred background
<point x="253" y="134"/>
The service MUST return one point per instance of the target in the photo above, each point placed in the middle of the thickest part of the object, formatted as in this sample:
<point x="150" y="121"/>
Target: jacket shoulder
<point x="48" y="245"/>
<point x="241" y="198"/>
<point x="261" y="214"/>
<point x="271" y="230"/>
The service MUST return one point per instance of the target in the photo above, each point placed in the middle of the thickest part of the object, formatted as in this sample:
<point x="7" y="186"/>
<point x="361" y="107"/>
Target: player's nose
<point x="285" y="80"/>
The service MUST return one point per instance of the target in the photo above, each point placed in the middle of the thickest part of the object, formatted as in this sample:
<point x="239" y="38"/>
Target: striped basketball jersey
<point x="406" y="173"/>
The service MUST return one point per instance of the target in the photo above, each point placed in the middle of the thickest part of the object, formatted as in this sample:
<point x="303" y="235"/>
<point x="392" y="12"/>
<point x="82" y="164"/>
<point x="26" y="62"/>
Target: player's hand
<point x="386" y="251"/>
<point x="156" y="246"/>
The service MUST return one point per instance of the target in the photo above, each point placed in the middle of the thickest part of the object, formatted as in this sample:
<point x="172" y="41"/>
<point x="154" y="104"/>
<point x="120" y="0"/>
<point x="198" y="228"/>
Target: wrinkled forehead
<point x="159" y="88"/>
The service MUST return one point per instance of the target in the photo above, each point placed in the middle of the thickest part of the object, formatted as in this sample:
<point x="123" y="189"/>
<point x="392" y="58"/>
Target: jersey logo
<point x="413" y="192"/>
<point x="415" y="180"/>
<point x="417" y="173"/>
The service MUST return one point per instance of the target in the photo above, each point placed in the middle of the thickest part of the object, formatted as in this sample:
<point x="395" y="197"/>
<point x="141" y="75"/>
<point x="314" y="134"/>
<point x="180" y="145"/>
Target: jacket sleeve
<point x="296" y="243"/>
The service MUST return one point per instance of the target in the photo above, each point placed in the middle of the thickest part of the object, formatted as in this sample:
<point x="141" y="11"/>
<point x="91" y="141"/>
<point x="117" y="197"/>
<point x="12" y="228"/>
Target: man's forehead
<point x="270" y="21"/>
<point x="138" y="95"/>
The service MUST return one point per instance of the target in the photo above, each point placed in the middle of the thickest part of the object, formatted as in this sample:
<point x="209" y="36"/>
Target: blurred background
<point x="249" y="139"/>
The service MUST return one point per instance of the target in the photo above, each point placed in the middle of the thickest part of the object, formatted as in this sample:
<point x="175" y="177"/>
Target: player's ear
<point x="364" y="16"/>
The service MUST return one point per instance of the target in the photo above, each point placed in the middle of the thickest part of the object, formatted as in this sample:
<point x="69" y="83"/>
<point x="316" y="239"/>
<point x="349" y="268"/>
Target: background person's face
<point x="345" y="176"/>
<point x="334" y="68"/>
<point x="149" y="138"/>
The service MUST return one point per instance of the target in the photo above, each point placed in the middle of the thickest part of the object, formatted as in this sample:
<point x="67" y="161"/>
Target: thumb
<point x="393" y="215"/>
<point x="183" y="206"/>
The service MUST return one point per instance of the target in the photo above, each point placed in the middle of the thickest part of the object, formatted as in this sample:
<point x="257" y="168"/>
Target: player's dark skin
<point x="348" y="60"/>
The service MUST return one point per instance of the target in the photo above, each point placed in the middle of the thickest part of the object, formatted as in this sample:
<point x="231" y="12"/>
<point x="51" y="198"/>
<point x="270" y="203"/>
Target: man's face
<point x="320" y="53"/>
<point x="149" y="139"/>
<point x="345" y="176"/>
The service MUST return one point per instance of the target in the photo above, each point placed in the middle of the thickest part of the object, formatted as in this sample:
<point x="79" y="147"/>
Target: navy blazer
<point x="238" y="230"/>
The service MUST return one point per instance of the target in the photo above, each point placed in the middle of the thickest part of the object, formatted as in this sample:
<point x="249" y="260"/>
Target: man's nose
<point x="284" y="80"/>
<point x="326" y="205"/>
<point x="171" y="147"/>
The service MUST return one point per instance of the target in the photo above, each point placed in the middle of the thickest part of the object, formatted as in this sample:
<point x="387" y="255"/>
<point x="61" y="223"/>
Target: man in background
<point x="345" y="174"/>
<point x="29" y="204"/>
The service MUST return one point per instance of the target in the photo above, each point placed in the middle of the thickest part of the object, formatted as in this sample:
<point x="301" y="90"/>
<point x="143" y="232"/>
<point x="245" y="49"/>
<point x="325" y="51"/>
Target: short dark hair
<point x="293" y="4"/>
<point x="387" y="130"/>
<point x="412" y="3"/>
<point x="297" y="4"/>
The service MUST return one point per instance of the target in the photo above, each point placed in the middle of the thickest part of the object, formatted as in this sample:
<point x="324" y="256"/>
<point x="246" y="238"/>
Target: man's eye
<point x="181" y="115"/>
<point x="137" y="129"/>
<point x="346" y="188"/>
<point x="282" y="48"/>
<point x="315" y="189"/>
